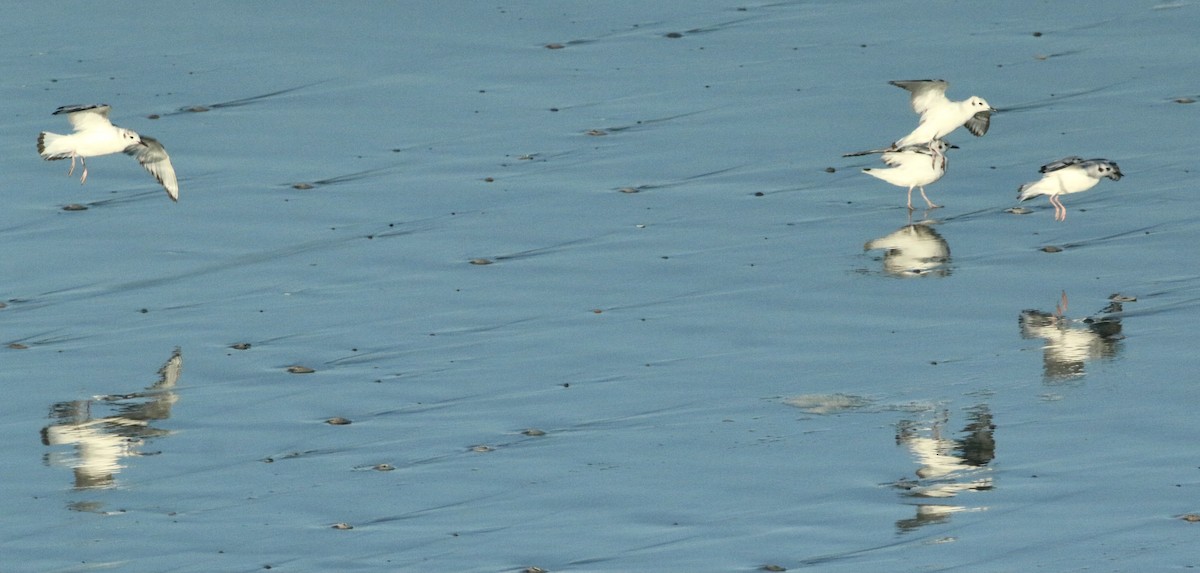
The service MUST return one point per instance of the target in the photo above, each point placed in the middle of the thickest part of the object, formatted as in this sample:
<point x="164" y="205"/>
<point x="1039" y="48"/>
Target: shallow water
<point x="725" y="377"/>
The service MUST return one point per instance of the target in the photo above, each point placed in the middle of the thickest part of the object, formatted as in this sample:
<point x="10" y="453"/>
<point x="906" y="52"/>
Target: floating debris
<point x="1190" y="517"/>
<point x="1018" y="210"/>
<point x="303" y="186"/>
<point x="482" y="449"/>
<point x="1051" y="249"/>
<point x="240" y="346"/>
<point x="1185" y="100"/>
<point x="533" y="432"/>
<point x="554" y="46"/>
<point x="480" y="261"/>
<point x="18" y="346"/>
<point x="773" y="568"/>
<point x="629" y="190"/>
<point x="534" y="570"/>
<point x="828" y="403"/>
<point x="595" y="132"/>
<point x="196" y="109"/>
<point x="338" y="421"/>
<point x="673" y="35"/>
<point x="383" y="467"/>
<point x="342" y="526"/>
<point x="297" y="369"/>
<point x="74" y="207"/>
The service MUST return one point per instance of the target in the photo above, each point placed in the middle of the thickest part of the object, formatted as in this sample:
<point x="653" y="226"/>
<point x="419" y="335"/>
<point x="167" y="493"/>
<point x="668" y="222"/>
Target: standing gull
<point x="914" y="166"/>
<point x="1068" y="175"/>
<point x="95" y="135"/>
<point x="939" y="115"/>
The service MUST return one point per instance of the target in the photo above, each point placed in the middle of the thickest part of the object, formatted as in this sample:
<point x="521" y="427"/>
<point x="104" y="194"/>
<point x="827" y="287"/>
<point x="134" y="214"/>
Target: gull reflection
<point x="948" y="466"/>
<point x="1070" y="343"/>
<point x="912" y="251"/>
<point x="100" y="442"/>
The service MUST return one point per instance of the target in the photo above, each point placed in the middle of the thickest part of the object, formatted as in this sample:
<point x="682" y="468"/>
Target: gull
<point x="939" y="115"/>
<point x="914" y="166"/>
<point x="1068" y="175"/>
<point x="95" y="135"/>
<point x="912" y="251"/>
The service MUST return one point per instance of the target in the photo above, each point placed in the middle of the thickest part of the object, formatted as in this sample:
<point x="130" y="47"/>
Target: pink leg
<point x="927" y="201"/>
<point x="82" y="180"/>
<point x="1062" y="305"/>
<point x="72" y="171"/>
<point x="1060" y="211"/>
<point x="910" y="199"/>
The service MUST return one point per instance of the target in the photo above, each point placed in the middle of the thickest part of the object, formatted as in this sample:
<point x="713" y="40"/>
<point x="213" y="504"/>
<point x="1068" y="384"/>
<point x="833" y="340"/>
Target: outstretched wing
<point x="978" y="124"/>
<point x="925" y="93"/>
<point x="85" y="116"/>
<point x="1061" y="163"/>
<point x="153" y="156"/>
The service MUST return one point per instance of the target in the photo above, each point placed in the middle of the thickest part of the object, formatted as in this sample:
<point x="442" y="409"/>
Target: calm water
<point x="710" y="374"/>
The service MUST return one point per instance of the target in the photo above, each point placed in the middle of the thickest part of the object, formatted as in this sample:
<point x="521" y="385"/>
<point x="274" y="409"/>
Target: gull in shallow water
<point x="95" y="135"/>
<point x="914" y="166"/>
<point x="939" y="115"/>
<point x="1068" y="175"/>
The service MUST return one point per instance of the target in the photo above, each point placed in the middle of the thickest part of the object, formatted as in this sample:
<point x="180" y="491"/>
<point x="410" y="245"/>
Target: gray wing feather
<point x="978" y="124"/>
<point x="925" y="93"/>
<point x="153" y="157"/>
<point x="1061" y="163"/>
<point x="84" y="116"/>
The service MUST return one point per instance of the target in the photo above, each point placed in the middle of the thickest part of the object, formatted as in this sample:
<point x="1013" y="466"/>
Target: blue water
<point x="725" y="378"/>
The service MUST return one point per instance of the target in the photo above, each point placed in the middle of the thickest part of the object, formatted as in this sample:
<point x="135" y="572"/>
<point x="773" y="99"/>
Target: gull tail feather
<point x="1027" y="192"/>
<point x="50" y="148"/>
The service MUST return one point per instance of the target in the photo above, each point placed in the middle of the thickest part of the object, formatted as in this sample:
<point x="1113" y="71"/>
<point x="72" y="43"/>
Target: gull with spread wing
<point x="95" y="135"/>
<point x="939" y="115"/>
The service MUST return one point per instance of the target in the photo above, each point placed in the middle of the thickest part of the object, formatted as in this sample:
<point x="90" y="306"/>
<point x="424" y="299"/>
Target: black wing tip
<point x="900" y="83"/>
<point x="77" y="107"/>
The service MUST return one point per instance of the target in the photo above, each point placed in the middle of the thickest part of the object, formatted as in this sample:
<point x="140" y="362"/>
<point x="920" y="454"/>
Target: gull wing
<point x="898" y="157"/>
<point x="84" y="117"/>
<point x="925" y="93"/>
<point x="978" y="124"/>
<point x="1061" y="163"/>
<point x="153" y="156"/>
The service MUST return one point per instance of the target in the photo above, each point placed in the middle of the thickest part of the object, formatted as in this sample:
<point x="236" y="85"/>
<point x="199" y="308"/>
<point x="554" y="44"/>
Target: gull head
<point x="940" y="146"/>
<point x="978" y="104"/>
<point x="1105" y="169"/>
<point x="129" y="136"/>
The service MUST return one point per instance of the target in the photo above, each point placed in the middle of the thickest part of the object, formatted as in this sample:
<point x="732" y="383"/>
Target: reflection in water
<point x="948" y="466"/>
<point x="101" y="442"/>
<point x="1072" y="342"/>
<point x="912" y="251"/>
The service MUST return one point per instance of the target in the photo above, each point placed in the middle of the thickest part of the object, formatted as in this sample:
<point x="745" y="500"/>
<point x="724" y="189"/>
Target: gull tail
<point x="1027" y="191"/>
<point x="50" y="147"/>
